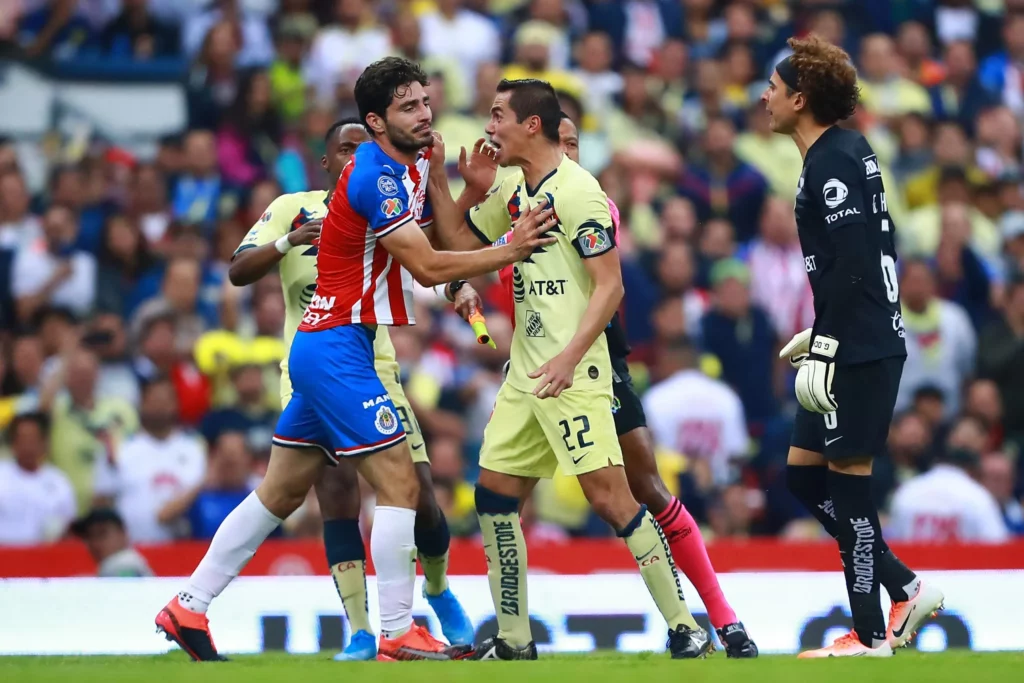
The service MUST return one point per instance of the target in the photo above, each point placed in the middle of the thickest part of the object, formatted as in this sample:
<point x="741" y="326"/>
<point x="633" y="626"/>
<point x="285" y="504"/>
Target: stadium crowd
<point x="134" y="376"/>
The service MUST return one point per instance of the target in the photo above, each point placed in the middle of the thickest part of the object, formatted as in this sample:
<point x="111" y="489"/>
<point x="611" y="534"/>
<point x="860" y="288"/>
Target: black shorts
<point x="866" y="396"/>
<point x="627" y="408"/>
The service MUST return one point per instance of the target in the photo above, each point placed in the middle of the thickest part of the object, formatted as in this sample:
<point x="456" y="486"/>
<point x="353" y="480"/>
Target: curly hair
<point x="826" y="77"/>
<point x="379" y="82"/>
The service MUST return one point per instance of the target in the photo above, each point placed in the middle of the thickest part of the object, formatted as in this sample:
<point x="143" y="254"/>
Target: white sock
<point x="234" y="544"/>
<point x="393" y="549"/>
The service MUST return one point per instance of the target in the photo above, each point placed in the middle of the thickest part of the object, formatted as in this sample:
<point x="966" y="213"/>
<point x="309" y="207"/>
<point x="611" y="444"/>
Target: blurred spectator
<point x="68" y="186"/>
<point x="741" y="336"/>
<point x="535" y="44"/>
<point x="213" y="78"/>
<point x="153" y="467"/>
<point x="50" y="271"/>
<point x="200" y="194"/>
<point x="962" y="273"/>
<point x="696" y="415"/>
<point x="961" y="95"/>
<point x="459" y="34"/>
<point x="18" y="226"/>
<point x="256" y="46"/>
<point x="179" y="295"/>
<point x="638" y="27"/>
<point x="914" y="154"/>
<point x="999" y="142"/>
<point x="999" y="478"/>
<point x="147" y="203"/>
<point x="158" y="357"/>
<point x="884" y="91"/>
<point x="36" y="499"/>
<point x="915" y="48"/>
<point x="287" y="84"/>
<point x="724" y="186"/>
<point x="407" y="36"/>
<point x="676" y="272"/>
<point x="57" y="28"/>
<point x="106" y="335"/>
<point x="951" y="149"/>
<point x="947" y="505"/>
<point x="776" y="264"/>
<point x="248" y="414"/>
<point x="227" y="482"/>
<point x="86" y="425"/>
<point x="1012" y="231"/>
<point x="773" y="155"/>
<point x="984" y="404"/>
<point x="136" y="34"/>
<point x="1001" y="359"/>
<point x="124" y="259"/>
<point x="941" y="342"/>
<point x="1002" y="73"/>
<point x="601" y="85"/>
<point x="343" y="49"/>
<point x="24" y="380"/>
<point x="104" y="535"/>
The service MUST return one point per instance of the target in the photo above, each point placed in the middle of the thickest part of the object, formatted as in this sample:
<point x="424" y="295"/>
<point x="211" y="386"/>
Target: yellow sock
<point x="350" y="581"/>
<point x="435" y="573"/>
<point x="658" y="569"/>
<point x="505" y="547"/>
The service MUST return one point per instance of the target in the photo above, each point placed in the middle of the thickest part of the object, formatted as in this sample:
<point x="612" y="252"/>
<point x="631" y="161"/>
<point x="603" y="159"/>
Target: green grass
<point x="954" y="667"/>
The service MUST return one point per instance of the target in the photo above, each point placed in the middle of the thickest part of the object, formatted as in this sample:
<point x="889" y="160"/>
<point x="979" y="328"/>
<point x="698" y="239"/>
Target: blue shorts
<point x="338" y="403"/>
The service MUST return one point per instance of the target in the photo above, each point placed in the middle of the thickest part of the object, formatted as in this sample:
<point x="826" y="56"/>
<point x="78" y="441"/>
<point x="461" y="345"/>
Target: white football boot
<point x="905" y="618"/>
<point x="848" y="646"/>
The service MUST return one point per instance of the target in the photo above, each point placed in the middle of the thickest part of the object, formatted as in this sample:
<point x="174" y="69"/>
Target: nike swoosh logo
<point x="576" y="461"/>
<point x="899" y="634"/>
<point x="416" y="448"/>
<point x="424" y="654"/>
<point x="641" y="558"/>
<point x="829" y="442"/>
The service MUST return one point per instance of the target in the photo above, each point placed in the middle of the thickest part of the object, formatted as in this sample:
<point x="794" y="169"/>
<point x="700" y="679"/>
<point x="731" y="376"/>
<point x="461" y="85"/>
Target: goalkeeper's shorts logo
<point x="518" y="285"/>
<point x="386" y="422"/>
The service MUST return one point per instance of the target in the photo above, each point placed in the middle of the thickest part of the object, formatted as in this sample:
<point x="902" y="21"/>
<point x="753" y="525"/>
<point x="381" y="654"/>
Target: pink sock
<point x="691" y="556"/>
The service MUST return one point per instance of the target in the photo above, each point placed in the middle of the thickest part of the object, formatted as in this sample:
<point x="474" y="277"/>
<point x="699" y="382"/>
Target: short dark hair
<point x="147" y="385"/>
<point x="35" y="417"/>
<point x="534" y="97"/>
<point x="376" y="86"/>
<point x="341" y="123"/>
<point x="826" y="77"/>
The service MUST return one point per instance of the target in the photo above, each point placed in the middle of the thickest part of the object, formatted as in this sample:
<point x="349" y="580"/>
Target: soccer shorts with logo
<point x="530" y="437"/>
<point x="390" y="377"/>
<point x="627" y="408"/>
<point x="338" y="402"/>
<point x="866" y="396"/>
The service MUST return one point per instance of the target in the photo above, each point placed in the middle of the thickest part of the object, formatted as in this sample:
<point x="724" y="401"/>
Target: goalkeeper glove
<point x="814" y="378"/>
<point x="797" y="349"/>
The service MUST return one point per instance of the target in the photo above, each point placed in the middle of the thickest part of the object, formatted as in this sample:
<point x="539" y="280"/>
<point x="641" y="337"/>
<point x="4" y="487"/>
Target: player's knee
<point x="399" y="490"/>
<point x="280" y="498"/>
<point x="337" y="492"/>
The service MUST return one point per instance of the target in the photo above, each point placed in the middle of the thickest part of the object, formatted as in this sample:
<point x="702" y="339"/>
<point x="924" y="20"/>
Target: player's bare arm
<point x="249" y="265"/>
<point x="450" y="230"/>
<point x="556" y="375"/>
<point x="412" y="249"/>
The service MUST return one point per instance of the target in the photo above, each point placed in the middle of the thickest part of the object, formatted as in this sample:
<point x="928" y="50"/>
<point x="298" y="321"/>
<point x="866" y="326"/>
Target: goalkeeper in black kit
<point x="849" y="364"/>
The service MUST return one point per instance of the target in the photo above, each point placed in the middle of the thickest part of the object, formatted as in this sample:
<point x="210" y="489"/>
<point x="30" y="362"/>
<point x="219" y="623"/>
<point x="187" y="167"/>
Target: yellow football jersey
<point x="298" y="267"/>
<point x="552" y="287"/>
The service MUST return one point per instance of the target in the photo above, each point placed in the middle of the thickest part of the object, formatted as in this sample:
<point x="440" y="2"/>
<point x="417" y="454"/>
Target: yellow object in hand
<point x="479" y="325"/>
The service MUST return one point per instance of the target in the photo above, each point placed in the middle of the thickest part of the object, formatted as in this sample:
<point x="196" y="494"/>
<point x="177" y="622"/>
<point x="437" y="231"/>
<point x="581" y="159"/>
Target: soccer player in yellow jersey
<point x="296" y="218"/>
<point x="555" y="407"/>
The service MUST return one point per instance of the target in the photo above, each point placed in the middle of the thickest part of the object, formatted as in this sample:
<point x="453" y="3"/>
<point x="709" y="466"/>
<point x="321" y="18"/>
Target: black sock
<point x="809" y="484"/>
<point x="860" y="541"/>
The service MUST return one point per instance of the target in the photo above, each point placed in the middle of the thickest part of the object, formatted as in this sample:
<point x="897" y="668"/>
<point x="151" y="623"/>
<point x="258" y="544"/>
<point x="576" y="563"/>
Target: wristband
<point x="441" y="291"/>
<point x="283" y="245"/>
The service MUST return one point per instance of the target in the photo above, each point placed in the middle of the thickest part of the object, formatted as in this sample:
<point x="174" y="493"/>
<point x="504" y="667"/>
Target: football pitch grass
<point x="953" y="666"/>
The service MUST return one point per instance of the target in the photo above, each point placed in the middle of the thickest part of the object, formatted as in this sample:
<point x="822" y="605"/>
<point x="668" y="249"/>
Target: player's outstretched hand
<point x="480" y="168"/>
<point x="307" y="233"/>
<point x="528" y="232"/>
<point x="437" y="154"/>
<point x="555" y="376"/>
<point x="797" y="349"/>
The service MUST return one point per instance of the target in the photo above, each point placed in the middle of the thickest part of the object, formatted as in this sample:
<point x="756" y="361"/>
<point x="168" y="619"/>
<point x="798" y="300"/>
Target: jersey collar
<point x="532" y="192"/>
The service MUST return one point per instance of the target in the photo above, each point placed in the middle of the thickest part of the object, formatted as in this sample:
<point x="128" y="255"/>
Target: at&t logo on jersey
<point x="386" y="422"/>
<point x="391" y="207"/>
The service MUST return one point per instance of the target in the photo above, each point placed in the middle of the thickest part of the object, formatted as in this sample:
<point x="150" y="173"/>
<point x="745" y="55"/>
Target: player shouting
<point x="684" y="537"/>
<point x="555" y="407"/>
<point x="850" y="363"/>
<point x="286" y="234"/>
<point x="371" y="247"/>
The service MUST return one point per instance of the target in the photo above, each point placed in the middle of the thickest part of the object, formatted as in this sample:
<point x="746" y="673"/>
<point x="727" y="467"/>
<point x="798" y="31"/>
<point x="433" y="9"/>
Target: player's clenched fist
<point x="528" y="232"/>
<point x="555" y="376"/>
<point x="307" y="233"/>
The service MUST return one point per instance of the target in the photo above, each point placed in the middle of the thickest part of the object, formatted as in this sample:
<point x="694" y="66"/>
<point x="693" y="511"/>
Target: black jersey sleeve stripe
<point x="476" y="231"/>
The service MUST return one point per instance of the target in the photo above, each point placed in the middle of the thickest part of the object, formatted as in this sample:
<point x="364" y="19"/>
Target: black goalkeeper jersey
<point x="848" y="242"/>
